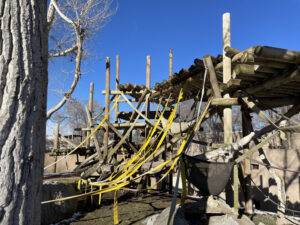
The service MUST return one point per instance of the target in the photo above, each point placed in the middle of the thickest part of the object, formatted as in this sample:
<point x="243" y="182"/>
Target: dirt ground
<point x="131" y="209"/>
<point x="135" y="209"/>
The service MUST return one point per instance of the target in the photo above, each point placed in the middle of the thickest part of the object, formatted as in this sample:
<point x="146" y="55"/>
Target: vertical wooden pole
<point x="148" y="72"/>
<point x="106" y="134"/>
<point x="56" y="138"/>
<point x="227" y="112"/>
<point x="56" y="144"/>
<point x="117" y="85"/>
<point x="247" y="128"/>
<point x="170" y="63"/>
<point x="89" y="125"/>
<point x="226" y="78"/>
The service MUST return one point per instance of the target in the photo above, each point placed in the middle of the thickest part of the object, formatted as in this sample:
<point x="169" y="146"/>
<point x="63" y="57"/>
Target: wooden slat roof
<point x="268" y="73"/>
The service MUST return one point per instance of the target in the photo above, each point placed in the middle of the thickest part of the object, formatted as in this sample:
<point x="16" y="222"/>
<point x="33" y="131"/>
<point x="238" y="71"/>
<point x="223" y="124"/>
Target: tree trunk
<point x="23" y="95"/>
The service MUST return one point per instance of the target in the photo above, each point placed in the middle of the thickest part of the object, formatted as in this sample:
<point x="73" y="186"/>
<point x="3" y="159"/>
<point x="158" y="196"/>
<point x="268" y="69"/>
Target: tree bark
<point x="23" y="99"/>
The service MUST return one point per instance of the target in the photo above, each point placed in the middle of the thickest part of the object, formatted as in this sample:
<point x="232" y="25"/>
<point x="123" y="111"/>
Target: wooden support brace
<point x="68" y="141"/>
<point x="94" y="135"/>
<point x="121" y="136"/>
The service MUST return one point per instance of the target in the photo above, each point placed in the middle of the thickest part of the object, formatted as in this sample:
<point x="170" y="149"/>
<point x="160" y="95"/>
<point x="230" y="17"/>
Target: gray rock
<point x="150" y="220"/>
<point x="208" y="211"/>
<point x="55" y="212"/>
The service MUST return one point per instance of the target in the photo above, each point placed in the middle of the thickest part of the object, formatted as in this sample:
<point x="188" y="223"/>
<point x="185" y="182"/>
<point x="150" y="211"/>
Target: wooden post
<point x="89" y="125"/>
<point x="148" y="72"/>
<point x="56" y="140"/>
<point x="226" y="78"/>
<point x="106" y="134"/>
<point x="170" y="63"/>
<point x="117" y="85"/>
<point x="247" y="129"/>
<point x="56" y="145"/>
<point x="227" y="112"/>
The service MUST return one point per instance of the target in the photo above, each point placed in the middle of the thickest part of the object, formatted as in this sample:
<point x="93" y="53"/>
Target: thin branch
<point x="63" y="53"/>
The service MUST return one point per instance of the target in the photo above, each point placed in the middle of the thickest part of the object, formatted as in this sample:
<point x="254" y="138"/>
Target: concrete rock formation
<point x="55" y="212"/>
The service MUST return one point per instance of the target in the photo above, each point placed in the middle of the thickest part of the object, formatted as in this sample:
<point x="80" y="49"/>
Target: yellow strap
<point x="116" y="218"/>
<point x="100" y="194"/>
<point x="123" y="153"/>
<point x="92" y="198"/>
<point x="78" y="185"/>
<point x="142" y="148"/>
<point x="183" y="180"/>
<point x="90" y="135"/>
<point x="158" y="145"/>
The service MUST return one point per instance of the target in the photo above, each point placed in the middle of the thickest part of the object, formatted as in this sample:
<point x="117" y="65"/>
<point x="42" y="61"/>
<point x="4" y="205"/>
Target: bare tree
<point x="23" y="95"/>
<point x="74" y="114"/>
<point x="76" y="22"/>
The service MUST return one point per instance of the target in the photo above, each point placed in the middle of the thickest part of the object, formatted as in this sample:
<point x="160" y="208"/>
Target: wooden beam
<point x="106" y="134"/>
<point x="227" y="111"/>
<point x="170" y="64"/>
<point x="212" y="76"/>
<point x="113" y="128"/>
<point x="56" y="139"/>
<point x="148" y="80"/>
<point x="90" y="109"/>
<point x="275" y="82"/>
<point x="278" y="54"/>
<point x="94" y="135"/>
<point x="247" y="129"/>
<point x="117" y="85"/>
<point x="111" y="152"/>
<point x="230" y="52"/>
<point x="68" y="141"/>
<point x="144" y="117"/>
<point x="225" y="101"/>
<point x="127" y="115"/>
<point x="226" y="77"/>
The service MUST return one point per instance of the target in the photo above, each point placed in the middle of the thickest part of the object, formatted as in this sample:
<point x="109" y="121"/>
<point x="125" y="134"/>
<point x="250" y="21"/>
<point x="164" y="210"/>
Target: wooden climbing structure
<point x="256" y="79"/>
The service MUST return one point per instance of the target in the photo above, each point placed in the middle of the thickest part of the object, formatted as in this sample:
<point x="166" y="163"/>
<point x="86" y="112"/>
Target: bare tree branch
<point x="50" y="16"/>
<point x="85" y="18"/>
<point x="75" y="80"/>
<point x="63" y="53"/>
<point x="53" y="2"/>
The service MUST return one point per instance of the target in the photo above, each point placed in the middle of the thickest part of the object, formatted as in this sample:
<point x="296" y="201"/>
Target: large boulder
<point x="55" y="212"/>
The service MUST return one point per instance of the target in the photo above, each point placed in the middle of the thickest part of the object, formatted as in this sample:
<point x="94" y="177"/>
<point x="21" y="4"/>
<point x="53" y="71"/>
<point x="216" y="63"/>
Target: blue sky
<point x="191" y="28"/>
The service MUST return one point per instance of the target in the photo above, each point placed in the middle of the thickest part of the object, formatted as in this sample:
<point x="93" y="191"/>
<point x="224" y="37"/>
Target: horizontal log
<point x="225" y="101"/>
<point x="128" y="125"/>
<point x="230" y="52"/>
<point x="266" y="103"/>
<point x="117" y="92"/>
<point x="127" y="115"/>
<point x="277" y="54"/>
<point x="263" y="69"/>
<point x="272" y="64"/>
<point x="275" y="82"/>
<point x="123" y="100"/>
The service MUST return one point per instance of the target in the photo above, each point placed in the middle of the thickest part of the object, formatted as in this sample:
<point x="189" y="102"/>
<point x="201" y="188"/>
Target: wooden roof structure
<point x="269" y="74"/>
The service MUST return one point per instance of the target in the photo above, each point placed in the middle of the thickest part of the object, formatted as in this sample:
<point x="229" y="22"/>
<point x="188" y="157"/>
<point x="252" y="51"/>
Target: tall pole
<point x="148" y="72"/>
<point x="106" y="134"/>
<point x="227" y="111"/>
<point x="226" y="77"/>
<point x="247" y="128"/>
<point x="170" y="63"/>
<point x="89" y="125"/>
<point x="117" y="85"/>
